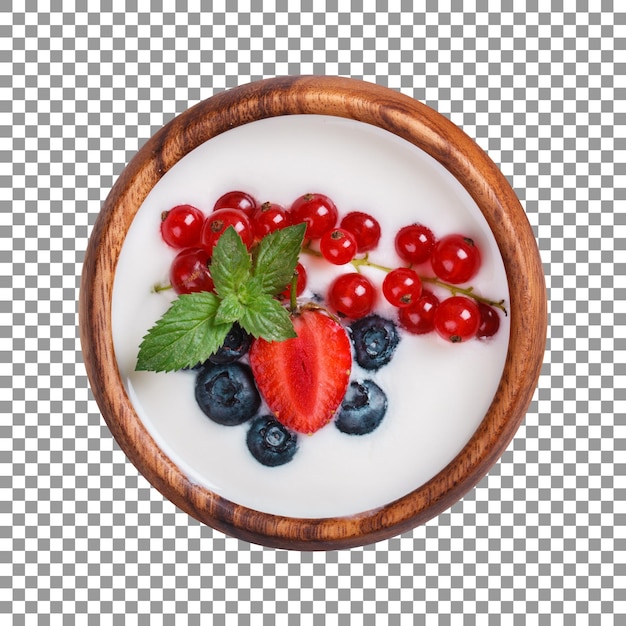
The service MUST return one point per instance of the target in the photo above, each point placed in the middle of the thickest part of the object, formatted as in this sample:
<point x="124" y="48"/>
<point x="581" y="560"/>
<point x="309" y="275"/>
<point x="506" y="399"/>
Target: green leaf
<point x="231" y="264"/>
<point x="196" y="324"/>
<point x="267" y="318"/>
<point x="276" y="257"/>
<point x="250" y="291"/>
<point x="229" y="310"/>
<point x="186" y="334"/>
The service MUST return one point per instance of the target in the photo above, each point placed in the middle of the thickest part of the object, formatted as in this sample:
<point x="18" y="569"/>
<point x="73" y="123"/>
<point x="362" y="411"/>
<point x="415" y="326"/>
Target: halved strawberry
<point x="304" y="379"/>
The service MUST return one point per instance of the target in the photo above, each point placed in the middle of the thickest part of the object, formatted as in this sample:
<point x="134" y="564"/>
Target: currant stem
<point x="161" y="287"/>
<point x="293" y="304"/>
<point x="466" y="291"/>
<point x="365" y="261"/>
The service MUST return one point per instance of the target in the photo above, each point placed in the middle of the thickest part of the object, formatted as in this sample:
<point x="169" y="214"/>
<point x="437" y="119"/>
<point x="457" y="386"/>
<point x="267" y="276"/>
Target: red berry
<point x="419" y="318"/>
<point x="268" y="218"/>
<point x="351" y="295"/>
<point x="455" y="259"/>
<point x="181" y="227"/>
<point x="304" y="380"/>
<point x="364" y="227"/>
<point x="317" y="211"/>
<point x="237" y="200"/>
<point x="189" y="271"/>
<point x="338" y="246"/>
<point x="489" y="321"/>
<point x="218" y="221"/>
<point x="300" y="283"/>
<point x="457" y="319"/>
<point x="402" y="287"/>
<point x="414" y="243"/>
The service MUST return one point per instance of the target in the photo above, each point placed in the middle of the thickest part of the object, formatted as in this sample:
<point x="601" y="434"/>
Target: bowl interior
<point x="333" y="125"/>
<point x="438" y="392"/>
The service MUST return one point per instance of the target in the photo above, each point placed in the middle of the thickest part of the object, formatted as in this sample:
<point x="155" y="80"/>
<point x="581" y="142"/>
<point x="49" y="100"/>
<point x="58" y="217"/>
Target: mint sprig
<point x="196" y="324"/>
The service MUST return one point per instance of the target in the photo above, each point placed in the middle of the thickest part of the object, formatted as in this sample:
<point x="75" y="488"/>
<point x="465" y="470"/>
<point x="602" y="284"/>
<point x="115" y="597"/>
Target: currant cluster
<point x="186" y="229"/>
<point x="454" y="260"/>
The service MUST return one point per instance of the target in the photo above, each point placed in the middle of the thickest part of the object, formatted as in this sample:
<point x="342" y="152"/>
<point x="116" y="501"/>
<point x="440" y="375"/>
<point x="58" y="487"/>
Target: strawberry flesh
<point x="303" y="380"/>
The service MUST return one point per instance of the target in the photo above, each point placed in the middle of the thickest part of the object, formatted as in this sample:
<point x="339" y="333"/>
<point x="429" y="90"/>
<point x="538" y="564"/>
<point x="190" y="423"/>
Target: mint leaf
<point x="186" y="334"/>
<point x="229" y="310"/>
<point x="276" y="257"/>
<point x="231" y="263"/>
<point x="267" y="318"/>
<point x="196" y="324"/>
<point x="251" y="291"/>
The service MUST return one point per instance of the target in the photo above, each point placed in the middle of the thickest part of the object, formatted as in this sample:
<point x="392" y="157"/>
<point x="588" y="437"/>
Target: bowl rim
<point x="451" y="147"/>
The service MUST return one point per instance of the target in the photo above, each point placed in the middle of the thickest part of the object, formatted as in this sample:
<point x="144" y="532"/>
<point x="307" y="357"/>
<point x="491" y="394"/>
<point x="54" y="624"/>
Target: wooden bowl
<point x="410" y="121"/>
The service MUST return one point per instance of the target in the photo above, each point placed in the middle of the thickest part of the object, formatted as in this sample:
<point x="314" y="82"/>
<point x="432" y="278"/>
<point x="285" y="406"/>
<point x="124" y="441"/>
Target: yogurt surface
<point x="437" y="392"/>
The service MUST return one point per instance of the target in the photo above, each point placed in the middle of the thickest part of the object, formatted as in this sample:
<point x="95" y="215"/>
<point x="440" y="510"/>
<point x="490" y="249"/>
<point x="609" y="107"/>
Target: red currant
<point x="352" y="295"/>
<point x="489" y="321"/>
<point x="317" y="211"/>
<point x="268" y="218"/>
<point x="237" y="200"/>
<point x="364" y="227"/>
<point x="338" y="246"/>
<point x="419" y="318"/>
<point x="414" y="243"/>
<point x="457" y="319"/>
<point x="455" y="259"/>
<point x="300" y="283"/>
<point x="181" y="226"/>
<point x="189" y="271"/>
<point x="218" y="221"/>
<point x="402" y="287"/>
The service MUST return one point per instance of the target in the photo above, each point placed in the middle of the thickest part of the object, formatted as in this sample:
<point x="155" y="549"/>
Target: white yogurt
<point x="438" y="392"/>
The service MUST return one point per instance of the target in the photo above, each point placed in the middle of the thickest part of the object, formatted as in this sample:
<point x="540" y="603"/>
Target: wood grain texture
<point x="415" y="123"/>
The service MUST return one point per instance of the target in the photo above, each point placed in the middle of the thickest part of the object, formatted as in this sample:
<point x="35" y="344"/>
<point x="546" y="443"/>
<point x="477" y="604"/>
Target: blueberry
<point x="375" y="339"/>
<point x="236" y="344"/>
<point x="362" y="409"/>
<point x="227" y="393"/>
<point x="270" y="443"/>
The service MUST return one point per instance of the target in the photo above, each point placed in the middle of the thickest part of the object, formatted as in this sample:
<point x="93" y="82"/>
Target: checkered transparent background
<point x="540" y="85"/>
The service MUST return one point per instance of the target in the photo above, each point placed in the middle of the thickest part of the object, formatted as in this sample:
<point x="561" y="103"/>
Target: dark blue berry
<point x="375" y="339"/>
<point x="362" y="409"/>
<point x="270" y="443"/>
<point x="236" y="344"/>
<point x="227" y="393"/>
